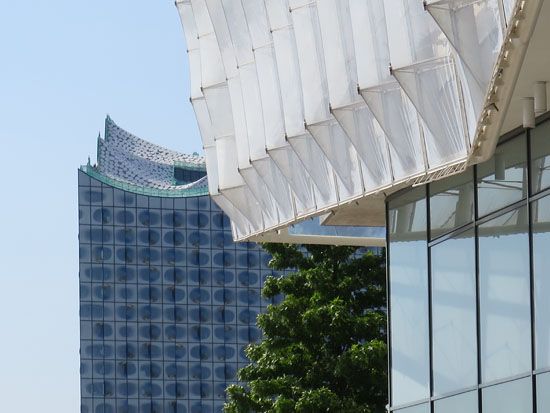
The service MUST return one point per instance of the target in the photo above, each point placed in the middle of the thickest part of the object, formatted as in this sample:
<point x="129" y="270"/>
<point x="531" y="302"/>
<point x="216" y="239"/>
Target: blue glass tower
<point x="167" y="301"/>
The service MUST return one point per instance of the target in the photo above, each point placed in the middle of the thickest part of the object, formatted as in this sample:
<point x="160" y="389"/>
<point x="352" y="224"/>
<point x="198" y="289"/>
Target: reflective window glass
<point x="543" y="393"/>
<point x="409" y="297"/>
<point x="451" y="203"/>
<point x="422" y="408"/>
<point x="512" y="397"/>
<point x="502" y="180"/>
<point x="454" y="314"/>
<point x="540" y="157"/>
<point x="541" y="264"/>
<point x="505" y="296"/>
<point x="462" y="403"/>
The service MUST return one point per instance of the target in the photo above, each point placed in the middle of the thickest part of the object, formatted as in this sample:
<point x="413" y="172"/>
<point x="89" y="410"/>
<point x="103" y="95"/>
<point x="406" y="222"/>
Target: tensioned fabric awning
<point x="304" y="105"/>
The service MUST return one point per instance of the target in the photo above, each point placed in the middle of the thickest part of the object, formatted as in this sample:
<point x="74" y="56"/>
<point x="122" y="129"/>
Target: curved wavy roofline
<point x="132" y="164"/>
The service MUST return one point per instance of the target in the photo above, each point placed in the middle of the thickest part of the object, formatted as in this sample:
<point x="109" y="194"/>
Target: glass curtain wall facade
<point x="469" y="285"/>
<point x="167" y="301"/>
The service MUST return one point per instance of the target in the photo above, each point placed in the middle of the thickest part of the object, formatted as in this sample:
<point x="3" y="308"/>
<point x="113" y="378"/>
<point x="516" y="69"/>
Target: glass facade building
<point x="168" y="302"/>
<point x="469" y="285"/>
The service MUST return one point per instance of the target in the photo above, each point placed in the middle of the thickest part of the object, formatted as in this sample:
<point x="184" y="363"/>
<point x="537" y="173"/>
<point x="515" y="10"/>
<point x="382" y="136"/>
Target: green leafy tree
<point x="324" y="346"/>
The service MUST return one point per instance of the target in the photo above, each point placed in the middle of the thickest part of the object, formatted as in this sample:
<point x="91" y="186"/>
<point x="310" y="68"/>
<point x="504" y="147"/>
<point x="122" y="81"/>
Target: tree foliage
<point x="324" y="346"/>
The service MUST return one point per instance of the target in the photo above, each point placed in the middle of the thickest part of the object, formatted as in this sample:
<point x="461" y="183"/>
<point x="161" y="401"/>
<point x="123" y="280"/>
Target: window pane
<point x="422" y="408"/>
<point x="505" y="296"/>
<point x="512" y="397"/>
<point x="543" y="393"/>
<point x="502" y="179"/>
<point x="540" y="154"/>
<point x="463" y="403"/>
<point x="454" y="314"/>
<point x="451" y="203"/>
<point x="541" y="263"/>
<point x="409" y="298"/>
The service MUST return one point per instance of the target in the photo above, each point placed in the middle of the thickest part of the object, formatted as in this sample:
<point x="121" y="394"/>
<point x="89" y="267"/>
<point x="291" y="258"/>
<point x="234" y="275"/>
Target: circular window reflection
<point x="150" y="332"/>
<point x="103" y="292"/>
<point x="198" y="258"/>
<point x="173" y="256"/>
<point x="248" y="278"/>
<point x="225" y="259"/>
<point x="150" y="350"/>
<point x="247" y="316"/>
<point x="127" y="255"/>
<point x="250" y="297"/>
<point x="102" y="330"/>
<point x="149" y="236"/>
<point x="105" y="407"/>
<point x="197" y="220"/>
<point x="201" y="352"/>
<point x="250" y="334"/>
<point x="152" y="294"/>
<point x="226" y="372"/>
<point x="149" y="218"/>
<point x="149" y="312"/>
<point x="125" y="368"/>
<point x="221" y="221"/>
<point x="127" y="389"/>
<point x="223" y="277"/>
<point x="174" y="219"/>
<point x="93" y="196"/>
<point x="199" y="295"/>
<point x="174" y="332"/>
<point x="198" y="239"/>
<point x="199" y="332"/>
<point x="149" y="274"/>
<point x="127" y="351"/>
<point x="248" y="259"/>
<point x="124" y="217"/>
<point x="222" y="240"/>
<point x="222" y="353"/>
<point x="104" y="368"/>
<point x="176" y="390"/>
<point x="225" y="296"/>
<point x="199" y="372"/>
<point x="99" y="235"/>
<point x="175" y="238"/>
<point x="151" y="370"/>
<point x="223" y="315"/>
<point x="173" y="294"/>
<point x="176" y="351"/>
<point x="103" y="215"/>
<point x="199" y="276"/>
<point x="176" y="314"/>
<point x="125" y="274"/>
<point x="200" y="315"/>
<point x="176" y="371"/>
<point x="226" y="333"/>
<point x="174" y="275"/>
<point x="204" y="390"/>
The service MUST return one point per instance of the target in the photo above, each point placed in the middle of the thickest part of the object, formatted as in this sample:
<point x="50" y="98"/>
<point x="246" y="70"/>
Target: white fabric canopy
<point x="306" y="105"/>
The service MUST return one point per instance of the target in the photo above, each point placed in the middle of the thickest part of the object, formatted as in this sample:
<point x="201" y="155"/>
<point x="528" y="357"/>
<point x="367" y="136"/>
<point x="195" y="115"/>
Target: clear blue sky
<point x="65" y="64"/>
